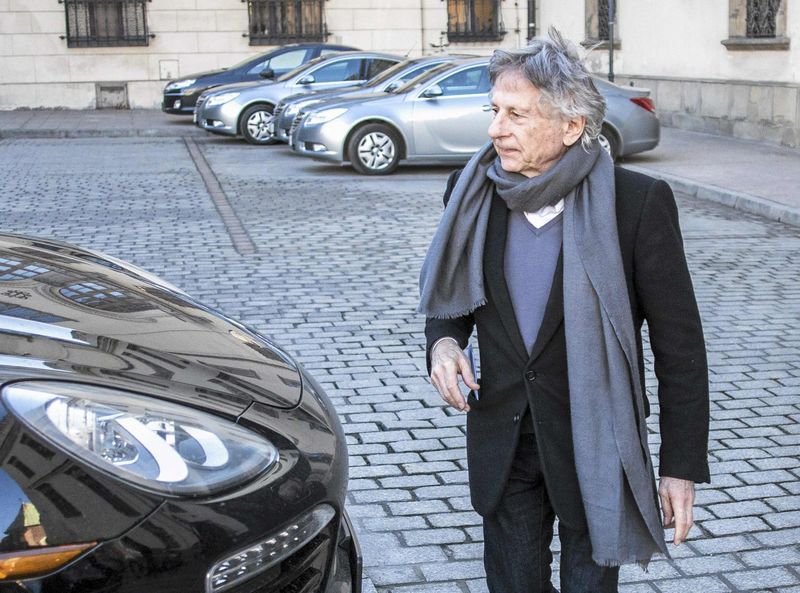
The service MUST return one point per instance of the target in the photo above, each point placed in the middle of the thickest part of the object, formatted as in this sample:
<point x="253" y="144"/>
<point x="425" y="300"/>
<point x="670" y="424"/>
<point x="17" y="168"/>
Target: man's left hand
<point x="677" y="500"/>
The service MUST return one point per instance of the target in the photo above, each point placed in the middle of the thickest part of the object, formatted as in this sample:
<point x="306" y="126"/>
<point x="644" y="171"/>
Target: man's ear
<point x="573" y="130"/>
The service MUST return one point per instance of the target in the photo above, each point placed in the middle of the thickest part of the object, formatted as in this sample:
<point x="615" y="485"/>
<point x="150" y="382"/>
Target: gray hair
<point x="554" y="66"/>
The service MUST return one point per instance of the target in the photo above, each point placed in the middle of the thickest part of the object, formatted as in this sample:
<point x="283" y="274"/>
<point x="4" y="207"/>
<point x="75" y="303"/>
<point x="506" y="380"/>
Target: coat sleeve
<point x="665" y="293"/>
<point x="458" y="328"/>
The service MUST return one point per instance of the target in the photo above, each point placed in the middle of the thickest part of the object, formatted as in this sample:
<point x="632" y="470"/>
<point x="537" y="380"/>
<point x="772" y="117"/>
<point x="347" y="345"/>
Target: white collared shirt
<point x="544" y="215"/>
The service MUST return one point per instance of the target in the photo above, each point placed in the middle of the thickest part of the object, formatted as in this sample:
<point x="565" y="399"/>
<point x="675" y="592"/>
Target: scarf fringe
<point x="455" y="314"/>
<point x="643" y="563"/>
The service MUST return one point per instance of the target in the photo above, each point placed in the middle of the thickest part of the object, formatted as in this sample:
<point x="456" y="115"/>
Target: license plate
<point x="177" y="104"/>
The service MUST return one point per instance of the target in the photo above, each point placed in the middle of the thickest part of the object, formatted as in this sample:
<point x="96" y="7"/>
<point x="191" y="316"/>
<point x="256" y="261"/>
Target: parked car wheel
<point x="609" y="143"/>
<point x="256" y="124"/>
<point x="374" y="149"/>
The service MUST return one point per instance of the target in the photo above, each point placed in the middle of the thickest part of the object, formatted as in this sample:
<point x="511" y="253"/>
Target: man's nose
<point x="497" y="126"/>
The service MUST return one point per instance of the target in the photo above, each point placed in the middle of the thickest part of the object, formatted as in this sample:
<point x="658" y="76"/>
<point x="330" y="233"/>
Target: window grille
<point x="474" y="20"/>
<point x="275" y="22"/>
<point x="761" y="16"/>
<point x="106" y="23"/>
<point x="602" y="19"/>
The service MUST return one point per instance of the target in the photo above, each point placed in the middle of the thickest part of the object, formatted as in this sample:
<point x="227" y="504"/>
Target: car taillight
<point x="645" y="103"/>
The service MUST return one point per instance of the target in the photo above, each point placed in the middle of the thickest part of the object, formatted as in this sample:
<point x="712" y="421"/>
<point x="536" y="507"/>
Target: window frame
<point x="496" y="31"/>
<point x="737" y="29"/>
<point x="593" y="40"/>
<point x="77" y="12"/>
<point x="318" y="34"/>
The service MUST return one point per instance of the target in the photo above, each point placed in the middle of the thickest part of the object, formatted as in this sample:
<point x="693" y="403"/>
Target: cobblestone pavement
<point x="333" y="279"/>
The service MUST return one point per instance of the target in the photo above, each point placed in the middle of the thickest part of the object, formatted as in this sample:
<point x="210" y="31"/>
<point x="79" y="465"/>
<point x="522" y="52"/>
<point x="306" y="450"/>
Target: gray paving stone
<point x="427" y="536"/>
<point x="762" y="578"/>
<point x="692" y="585"/>
<point x="721" y="545"/>
<point x="738" y="525"/>
<point x="717" y="563"/>
<point x="739" y="509"/>
<point x="772" y="557"/>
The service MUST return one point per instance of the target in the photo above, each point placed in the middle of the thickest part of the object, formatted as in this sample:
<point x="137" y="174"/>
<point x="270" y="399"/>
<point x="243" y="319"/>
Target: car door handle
<point x="486" y="107"/>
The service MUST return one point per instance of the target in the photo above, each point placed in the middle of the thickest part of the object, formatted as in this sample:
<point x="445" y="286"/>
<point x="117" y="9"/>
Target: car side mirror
<point x="306" y="80"/>
<point x="267" y="73"/>
<point x="433" y="91"/>
<point x="392" y="87"/>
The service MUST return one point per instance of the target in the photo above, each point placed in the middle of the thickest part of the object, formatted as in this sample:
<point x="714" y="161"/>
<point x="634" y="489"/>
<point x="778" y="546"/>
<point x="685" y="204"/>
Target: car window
<point x="471" y="81"/>
<point x="326" y="51"/>
<point x="378" y="65"/>
<point x="281" y="63"/>
<point x="338" y="71"/>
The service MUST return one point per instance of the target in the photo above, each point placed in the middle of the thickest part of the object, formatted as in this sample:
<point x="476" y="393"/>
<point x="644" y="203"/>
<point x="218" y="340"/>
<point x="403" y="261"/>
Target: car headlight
<point x="180" y="84"/>
<point x="324" y="116"/>
<point x="220" y="99"/>
<point x="156" y="445"/>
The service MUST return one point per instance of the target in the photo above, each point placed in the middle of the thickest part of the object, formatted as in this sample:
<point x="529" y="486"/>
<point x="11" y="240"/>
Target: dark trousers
<point x="518" y="534"/>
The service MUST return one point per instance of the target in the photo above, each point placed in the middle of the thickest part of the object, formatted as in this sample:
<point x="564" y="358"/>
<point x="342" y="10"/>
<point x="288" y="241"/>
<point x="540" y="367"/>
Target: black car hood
<point x="77" y="315"/>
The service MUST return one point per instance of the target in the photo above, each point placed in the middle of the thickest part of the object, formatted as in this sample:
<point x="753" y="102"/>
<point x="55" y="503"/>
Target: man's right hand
<point x="448" y="361"/>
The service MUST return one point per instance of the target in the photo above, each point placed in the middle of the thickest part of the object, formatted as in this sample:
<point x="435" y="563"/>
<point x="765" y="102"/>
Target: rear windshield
<point x="379" y="79"/>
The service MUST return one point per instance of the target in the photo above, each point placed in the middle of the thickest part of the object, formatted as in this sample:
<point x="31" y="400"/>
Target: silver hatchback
<point x="246" y="108"/>
<point x="442" y="117"/>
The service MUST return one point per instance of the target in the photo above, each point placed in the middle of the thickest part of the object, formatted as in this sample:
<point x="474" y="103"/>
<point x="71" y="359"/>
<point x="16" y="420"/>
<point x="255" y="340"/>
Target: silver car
<point x="246" y="108"/>
<point x="442" y="117"/>
<point x="388" y="80"/>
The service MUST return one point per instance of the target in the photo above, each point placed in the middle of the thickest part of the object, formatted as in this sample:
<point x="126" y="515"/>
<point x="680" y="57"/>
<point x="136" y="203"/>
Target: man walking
<point x="557" y="258"/>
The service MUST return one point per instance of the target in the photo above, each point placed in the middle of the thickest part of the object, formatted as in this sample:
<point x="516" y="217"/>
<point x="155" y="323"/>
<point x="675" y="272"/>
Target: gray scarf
<point x="609" y="434"/>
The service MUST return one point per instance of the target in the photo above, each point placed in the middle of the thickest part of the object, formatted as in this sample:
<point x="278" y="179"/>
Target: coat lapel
<point x="493" y="269"/>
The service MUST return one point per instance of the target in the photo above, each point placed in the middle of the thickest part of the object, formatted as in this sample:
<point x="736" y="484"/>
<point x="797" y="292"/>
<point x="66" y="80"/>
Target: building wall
<point x="38" y="70"/>
<point x="675" y="49"/>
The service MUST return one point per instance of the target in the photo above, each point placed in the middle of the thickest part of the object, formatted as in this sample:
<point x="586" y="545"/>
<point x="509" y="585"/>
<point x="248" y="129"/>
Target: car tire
<point x="254" y="124"/>
<point x="608" y="142"/>
<point x="374" y="149"/>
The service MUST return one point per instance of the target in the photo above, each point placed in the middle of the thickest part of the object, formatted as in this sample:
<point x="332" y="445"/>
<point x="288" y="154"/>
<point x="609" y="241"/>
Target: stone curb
<point x="737" y="200"/>
<point x="110" y="133"/>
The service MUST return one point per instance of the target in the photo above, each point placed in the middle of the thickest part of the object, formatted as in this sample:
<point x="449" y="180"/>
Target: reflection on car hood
<point x="354" y="100"/>
<point x="323" y="93"/>
<point x="70" y="313"/>
<point x="199" y="76"/>
<point x="239" y="86"/>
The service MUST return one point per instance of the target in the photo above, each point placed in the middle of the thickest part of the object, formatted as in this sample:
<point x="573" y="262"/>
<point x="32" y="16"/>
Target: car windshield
<point x="302" y="67"/>
<point x="423" y="78"/>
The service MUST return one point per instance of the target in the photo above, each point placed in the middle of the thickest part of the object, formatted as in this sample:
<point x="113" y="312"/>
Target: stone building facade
<point x="729" y="67"/>
<point x="92" y="53"/>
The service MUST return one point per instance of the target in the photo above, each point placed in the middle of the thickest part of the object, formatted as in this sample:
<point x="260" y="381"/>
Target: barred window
<point x="275" y="22"/>
<point x="761" y="17"/>
<point x="602" y="19"/>
<point x="756" y="25"/>
<point x="474" y="20"/>
<point x="597" y="29"/>
<point x="106" y="23"/>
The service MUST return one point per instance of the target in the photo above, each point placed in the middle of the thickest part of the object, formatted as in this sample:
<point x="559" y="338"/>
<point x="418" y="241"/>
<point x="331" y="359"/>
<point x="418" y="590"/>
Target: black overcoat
<point x="513" y="380"/>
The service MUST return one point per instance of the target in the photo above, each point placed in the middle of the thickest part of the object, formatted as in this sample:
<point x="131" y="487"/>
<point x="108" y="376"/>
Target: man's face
<point x="528" y="135"/>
